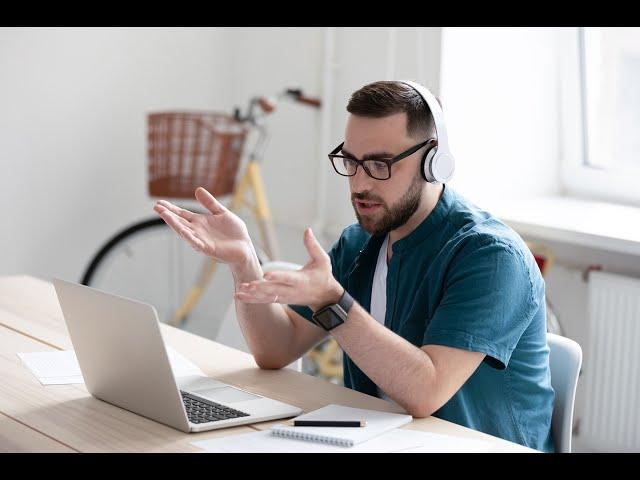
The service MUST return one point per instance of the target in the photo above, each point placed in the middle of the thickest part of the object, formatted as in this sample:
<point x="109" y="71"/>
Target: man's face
<point x="383" y="205"/>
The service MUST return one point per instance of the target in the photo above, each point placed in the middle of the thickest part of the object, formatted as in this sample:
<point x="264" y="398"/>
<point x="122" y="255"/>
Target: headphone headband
<point x="441" y="164"/>
<point x="436" y="113"/>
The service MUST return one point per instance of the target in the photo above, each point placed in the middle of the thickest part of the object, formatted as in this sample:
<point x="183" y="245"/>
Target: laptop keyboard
<point x="200" y="410"/>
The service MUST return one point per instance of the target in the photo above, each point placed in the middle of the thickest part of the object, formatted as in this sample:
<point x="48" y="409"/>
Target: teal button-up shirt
<point x="463" y="279"/>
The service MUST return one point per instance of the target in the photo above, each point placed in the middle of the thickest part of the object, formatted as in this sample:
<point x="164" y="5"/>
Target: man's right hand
<point x="221" y="234"/>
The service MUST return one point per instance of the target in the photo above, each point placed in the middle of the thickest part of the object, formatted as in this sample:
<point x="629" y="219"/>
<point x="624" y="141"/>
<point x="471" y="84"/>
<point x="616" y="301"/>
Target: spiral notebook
<point x="377" y="423"/>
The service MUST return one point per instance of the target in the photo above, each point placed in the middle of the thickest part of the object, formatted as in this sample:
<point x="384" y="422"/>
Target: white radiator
<point x="611" y="364"/>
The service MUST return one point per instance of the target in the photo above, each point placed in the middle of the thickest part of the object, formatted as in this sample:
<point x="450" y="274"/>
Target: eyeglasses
<point x="378" y="168"/>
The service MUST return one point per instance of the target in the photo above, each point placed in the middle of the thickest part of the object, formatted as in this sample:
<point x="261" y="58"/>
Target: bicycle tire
<point x="87" y="276"/>
<point x="153" y="222"/>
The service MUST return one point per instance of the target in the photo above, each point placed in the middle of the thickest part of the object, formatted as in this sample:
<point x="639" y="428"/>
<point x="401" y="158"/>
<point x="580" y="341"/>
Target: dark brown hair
<point x="384" y="98"/>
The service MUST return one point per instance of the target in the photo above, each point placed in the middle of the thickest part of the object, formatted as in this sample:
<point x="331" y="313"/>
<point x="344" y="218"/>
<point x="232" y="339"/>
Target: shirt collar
<point x="420" y="233"/>
<point x="429" y="224"/>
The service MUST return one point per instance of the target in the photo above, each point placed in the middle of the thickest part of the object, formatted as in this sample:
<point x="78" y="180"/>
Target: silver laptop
<point x="124" y="361"/>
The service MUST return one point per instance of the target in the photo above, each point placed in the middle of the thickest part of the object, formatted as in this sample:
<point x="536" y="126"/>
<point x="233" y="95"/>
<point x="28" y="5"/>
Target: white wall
<point x="500" y="98"/>
<point x="72" y="131"/>
<point x="265" y="61"/>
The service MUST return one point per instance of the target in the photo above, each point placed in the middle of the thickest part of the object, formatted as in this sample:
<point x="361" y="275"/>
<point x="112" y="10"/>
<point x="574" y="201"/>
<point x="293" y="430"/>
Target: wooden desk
<point x="66" y="418"/>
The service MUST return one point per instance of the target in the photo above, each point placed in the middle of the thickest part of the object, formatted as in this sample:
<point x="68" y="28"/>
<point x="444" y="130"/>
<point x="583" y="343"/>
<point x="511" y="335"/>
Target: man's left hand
<point x="313" y="285"/>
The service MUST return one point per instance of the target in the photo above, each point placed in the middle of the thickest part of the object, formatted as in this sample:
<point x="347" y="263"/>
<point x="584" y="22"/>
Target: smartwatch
<point x="330" y="316"/>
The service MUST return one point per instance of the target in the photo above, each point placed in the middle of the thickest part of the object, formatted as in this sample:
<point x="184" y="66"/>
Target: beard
<point x="392" y="217"/>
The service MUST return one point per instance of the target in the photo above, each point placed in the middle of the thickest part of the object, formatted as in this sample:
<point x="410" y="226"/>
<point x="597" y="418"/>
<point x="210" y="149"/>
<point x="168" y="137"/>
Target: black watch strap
<point x="345" y="301"/>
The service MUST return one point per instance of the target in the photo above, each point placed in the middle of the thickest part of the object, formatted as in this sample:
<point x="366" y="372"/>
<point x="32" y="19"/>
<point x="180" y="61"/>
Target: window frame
<point x="578" y="177"/>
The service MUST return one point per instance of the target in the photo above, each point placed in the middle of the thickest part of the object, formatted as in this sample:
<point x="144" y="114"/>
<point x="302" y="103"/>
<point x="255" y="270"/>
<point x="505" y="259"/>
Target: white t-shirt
<point x="379" y="294"/>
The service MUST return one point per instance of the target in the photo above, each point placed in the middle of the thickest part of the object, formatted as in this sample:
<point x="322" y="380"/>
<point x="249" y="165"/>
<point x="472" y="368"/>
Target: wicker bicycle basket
<point x="187" y="150"/>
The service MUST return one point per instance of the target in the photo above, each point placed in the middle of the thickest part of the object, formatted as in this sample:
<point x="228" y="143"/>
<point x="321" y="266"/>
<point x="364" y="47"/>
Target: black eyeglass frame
<point x="388" y="161"/>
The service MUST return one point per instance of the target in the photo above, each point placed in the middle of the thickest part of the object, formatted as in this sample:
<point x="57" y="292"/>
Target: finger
<point x="190" y="237"/>
<point x="209" y="201"/>
<point x="193" y="240"/>
<point x="160" y="209"/>
<point x="283" y="295"/>
<point x="249" y="298"/>
<point x="176" y="224"/>
<point x="186" y="214"/>
<point x="176" y="218"/>
<point x="262" y="289"/>
<point x="287" y="278"/>
<point x="315" y="250"/>
<point x="258" y="285"/>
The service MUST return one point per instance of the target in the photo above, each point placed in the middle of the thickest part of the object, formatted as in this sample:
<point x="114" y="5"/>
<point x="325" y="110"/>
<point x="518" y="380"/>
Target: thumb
<point x="209" y="201"/>
<point x="316" y="252"/>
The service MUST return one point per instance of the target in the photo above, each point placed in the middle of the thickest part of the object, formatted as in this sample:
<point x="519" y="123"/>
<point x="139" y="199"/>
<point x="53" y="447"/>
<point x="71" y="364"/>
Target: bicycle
<point x="209" y="153"/>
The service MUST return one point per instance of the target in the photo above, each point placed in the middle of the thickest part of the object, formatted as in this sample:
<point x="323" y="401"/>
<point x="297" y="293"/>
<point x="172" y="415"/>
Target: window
<point x="602" y="114"/>
<point x="611" y="83"/>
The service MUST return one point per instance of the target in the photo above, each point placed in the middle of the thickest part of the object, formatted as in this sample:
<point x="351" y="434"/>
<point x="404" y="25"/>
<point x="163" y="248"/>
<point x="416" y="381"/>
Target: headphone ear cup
<point x="441" y="168"/>
<point x="426" y="164"/>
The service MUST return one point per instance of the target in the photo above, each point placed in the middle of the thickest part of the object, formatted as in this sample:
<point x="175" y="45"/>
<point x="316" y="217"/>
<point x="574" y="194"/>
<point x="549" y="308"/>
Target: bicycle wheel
<point x="147" y="261"/>
<point x="98" y="260"/>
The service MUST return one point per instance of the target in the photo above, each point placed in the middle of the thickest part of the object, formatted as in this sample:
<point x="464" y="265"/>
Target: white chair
<point x="230" y="333"/>
<point x="565" y="360"/>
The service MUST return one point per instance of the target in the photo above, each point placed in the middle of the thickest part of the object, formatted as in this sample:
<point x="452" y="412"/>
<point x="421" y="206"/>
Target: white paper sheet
<point x="265" y="442"/>
<point x="61" y="367"/>
<point x="181" y="365"/>
<point x="438" y="443"/>
<point x="398" y="440"/>
<point x="53" y="368"/>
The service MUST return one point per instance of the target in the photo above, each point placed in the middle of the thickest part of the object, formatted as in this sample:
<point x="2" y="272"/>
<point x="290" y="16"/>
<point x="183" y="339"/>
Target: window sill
<point x="587" y="223"/>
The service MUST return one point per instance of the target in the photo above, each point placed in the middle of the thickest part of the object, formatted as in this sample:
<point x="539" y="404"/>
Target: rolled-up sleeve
<point x="489" y="298"/>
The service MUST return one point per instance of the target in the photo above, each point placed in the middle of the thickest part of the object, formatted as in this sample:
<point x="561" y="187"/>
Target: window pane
<point x="612" y="97"/>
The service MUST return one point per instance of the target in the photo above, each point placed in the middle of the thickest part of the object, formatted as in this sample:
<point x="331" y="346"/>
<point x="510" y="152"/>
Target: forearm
<point x="267" y="329"/>
<point x="402" y="370"/>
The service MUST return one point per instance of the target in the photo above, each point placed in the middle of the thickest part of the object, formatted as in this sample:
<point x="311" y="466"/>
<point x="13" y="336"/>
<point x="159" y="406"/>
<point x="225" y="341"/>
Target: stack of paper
<point x="398" y="440"/>
<point x="61" y="367"/>
<point x="53" y="368"/>
<point x="381" y="434"/>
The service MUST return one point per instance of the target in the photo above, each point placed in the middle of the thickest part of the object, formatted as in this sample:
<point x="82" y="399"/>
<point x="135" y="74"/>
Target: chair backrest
<point x="230" y="334"/>
<point x="565" y="360"/>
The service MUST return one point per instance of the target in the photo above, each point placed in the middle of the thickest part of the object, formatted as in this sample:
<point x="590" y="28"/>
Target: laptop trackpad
<point x="226" y="395"/>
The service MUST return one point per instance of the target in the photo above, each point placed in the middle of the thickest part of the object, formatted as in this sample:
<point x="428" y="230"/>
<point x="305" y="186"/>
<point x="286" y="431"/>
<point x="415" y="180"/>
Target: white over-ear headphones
<point x="437" y="163"/>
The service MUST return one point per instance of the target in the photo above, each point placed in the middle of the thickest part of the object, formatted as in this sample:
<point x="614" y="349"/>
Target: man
<point x="448" y="311"/>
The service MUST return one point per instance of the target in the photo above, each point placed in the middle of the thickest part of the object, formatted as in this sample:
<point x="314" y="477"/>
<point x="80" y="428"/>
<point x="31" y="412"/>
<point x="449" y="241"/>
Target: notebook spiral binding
<point x="313" y="438"/>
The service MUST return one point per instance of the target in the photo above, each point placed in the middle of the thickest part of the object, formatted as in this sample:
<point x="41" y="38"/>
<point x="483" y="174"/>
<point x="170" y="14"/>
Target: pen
<point x="327" y="423"/>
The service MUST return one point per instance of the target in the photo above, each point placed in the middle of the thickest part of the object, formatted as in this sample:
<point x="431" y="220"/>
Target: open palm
<point x="312" y="285"/>
<point x="220" y="234"/>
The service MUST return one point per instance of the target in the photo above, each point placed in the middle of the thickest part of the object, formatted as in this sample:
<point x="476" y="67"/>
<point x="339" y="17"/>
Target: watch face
<point x="328" y="318"/>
